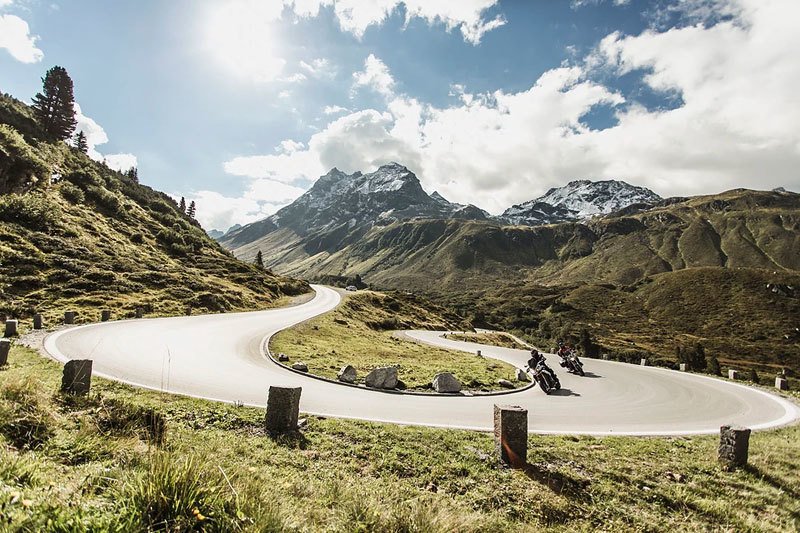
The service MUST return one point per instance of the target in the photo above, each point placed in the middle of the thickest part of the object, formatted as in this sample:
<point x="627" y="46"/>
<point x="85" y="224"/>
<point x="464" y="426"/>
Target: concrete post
<point x="77" y="377"/>
<point x="11" y="328"/>
<point x="511" y="435"/>
<point x="643" y="362"/>
<point x="683" y="367"/>
<point x="105" y="315"/>
<point x="733" y="374"/>
<point x="69" y="317"/>
<point x="781" y="383"/>
<point x="5" y="348"/>
<point x="734" y="443"/>
<point x="139" y="312"/>
<point x="283" y="409"/>
<point x="479" y="353"/>
<point x="37" y="321"/>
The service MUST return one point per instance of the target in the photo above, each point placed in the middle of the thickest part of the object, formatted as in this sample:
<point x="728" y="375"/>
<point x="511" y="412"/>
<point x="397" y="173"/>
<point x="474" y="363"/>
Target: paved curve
<point x="219" y="357"/>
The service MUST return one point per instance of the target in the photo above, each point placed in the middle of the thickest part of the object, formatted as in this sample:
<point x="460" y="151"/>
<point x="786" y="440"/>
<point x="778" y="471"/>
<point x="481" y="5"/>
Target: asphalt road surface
<point x="220" y="357"/>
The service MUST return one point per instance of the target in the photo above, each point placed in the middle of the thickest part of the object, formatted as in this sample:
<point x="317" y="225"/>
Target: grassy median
<point x="360" y="333"/>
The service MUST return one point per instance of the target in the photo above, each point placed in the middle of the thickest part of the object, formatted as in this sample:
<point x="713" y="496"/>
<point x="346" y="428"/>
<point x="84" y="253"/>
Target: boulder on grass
<point x="302" y="367"/>
<point x="446" y="382"/>
<point x="282" y="357"/>
<point x="384" y="377"/>
<point x="522" y="375"/>
<point x="347" y="374"/>
<point x="505" y="383"/>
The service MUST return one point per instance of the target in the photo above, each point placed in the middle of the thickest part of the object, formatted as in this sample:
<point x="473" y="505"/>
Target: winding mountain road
<point x="219" y="357"/>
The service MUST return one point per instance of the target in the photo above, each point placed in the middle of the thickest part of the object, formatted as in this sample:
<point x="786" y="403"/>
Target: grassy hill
<point x="75" y="234"/>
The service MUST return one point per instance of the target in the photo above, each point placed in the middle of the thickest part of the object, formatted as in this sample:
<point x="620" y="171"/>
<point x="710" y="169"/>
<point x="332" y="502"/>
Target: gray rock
<point x="505" y="383"/>
<point x="5" y="348"/>
<point x="139" y="313"/>
<point x="347" y="374"/>
<point x="105" y="315"/>
<point x="522" y="375"/>
<point x="282" y="357"/>
<point x="302" y="367"/>
<point x="446" y="382"/>
<point x="69" y="317"/>
<point x="734" y="444"/>
<point x="37" y="321"/>
<point x="11" y="328"/>
<point x="77" y="377"/>
<point x="511" y="435"/>
<point x="382" y="378"/>
<point x="283" y="409"/>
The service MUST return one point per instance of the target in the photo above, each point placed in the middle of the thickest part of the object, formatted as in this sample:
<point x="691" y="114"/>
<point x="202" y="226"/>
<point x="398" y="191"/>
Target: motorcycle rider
<point x="563" y="352"/>
<point x="538" y="359"/>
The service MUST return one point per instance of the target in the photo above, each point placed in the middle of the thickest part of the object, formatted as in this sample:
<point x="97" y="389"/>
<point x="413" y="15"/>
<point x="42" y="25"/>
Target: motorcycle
<point x="571" y="362"/>
<point x="545" y="377"/>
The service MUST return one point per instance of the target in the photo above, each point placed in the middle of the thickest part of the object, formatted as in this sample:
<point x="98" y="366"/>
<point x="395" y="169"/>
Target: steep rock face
<point x="579" y="200"/>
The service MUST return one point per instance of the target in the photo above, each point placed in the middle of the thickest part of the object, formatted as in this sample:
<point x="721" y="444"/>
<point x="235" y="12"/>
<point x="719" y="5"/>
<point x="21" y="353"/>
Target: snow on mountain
<point x="579" y="200"/>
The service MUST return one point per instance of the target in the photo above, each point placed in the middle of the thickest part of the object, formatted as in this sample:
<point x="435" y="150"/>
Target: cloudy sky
<point x="241" y="105"/>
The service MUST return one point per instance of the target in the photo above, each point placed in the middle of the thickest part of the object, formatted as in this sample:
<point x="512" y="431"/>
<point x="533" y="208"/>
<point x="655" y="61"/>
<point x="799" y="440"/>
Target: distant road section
<point x="219" y="357"/>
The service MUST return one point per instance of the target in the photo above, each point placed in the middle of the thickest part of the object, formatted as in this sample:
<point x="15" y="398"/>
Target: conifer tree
<point x="81" y="143"/>
<point x="754" y="376"/>
<point x="260" y="259"/>
<point x="713" y="367"/>
<point x="54" y="107"/>
<point x="192" y="209"/>
<point x="182" y="205"/>
<point x="133" y="174"/>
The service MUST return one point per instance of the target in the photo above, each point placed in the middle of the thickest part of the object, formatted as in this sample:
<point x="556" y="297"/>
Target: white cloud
<point x="735" y="124"/>
<point x="375" y="76"/>
<point x="96" y="135"/>
<point x="355" y="16"/>
<point x="15" y="37"/>
<point x="319" y="68"/>
<point x="334" y="109"/>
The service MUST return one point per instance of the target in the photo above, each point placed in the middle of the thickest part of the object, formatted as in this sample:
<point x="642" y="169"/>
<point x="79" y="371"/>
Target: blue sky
<point x="241" y="105"/>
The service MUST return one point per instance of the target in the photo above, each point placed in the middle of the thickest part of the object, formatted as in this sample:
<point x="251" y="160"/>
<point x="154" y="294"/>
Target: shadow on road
<point x="591" y="375"/>
<point x="564" y="392"/>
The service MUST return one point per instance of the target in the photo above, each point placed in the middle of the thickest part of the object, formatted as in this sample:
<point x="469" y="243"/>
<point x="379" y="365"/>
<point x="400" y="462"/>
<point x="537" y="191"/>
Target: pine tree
<point x="192" y="209"/>
<point x="54" y="107"/>
<point x="698" y="358"/>
<point x="182" y="205"/>
<point x="713" y="367"/>
<point x="133" y="174"/>
<point x="81" y="143"/>
<point x="260" y="259"/>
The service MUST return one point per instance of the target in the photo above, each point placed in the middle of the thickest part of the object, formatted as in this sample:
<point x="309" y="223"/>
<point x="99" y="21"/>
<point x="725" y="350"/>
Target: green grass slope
<point x="76" y="235"/>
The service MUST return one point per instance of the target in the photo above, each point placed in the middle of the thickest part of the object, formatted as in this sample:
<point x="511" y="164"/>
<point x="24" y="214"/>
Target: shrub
<point x="72" y="193"/>
<point x="104" y="198"/>
<point x="19" y="163"/>
<point x="176" y="495"/>
<point x="31" y="210"/>
<point x="137" y="238"/>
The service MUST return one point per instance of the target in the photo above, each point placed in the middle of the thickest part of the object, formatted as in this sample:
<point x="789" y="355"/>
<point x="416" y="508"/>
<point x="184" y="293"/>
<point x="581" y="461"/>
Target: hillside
<point x="78" y="235"/>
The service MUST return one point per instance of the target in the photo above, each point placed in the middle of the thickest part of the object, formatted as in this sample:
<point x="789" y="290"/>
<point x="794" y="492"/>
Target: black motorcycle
<point x="545" y="377"/>
<point x="571" y="362"/>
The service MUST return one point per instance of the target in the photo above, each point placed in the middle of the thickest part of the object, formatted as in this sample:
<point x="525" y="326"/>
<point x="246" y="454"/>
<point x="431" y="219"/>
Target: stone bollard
<point x="479" y="353"/>
<point x="733" y="374"/>
<point x="781" y="383"/>
<point x="643" y="362"/>
<point x="37" y="321"/>
<point x="283" y="409"/>
<point x="139" y="312"/>
<point x="11" y="328"/>
<point x="105" y="315"/>
<point x="511" y="435"/>
<point x="5" y="348"/>
<point x="605" y="357"/>
<point x="683" y="367"/>
<point x="69" y="317"/>
<point x="734" y="442"/>
<point x="77" y="377"/>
